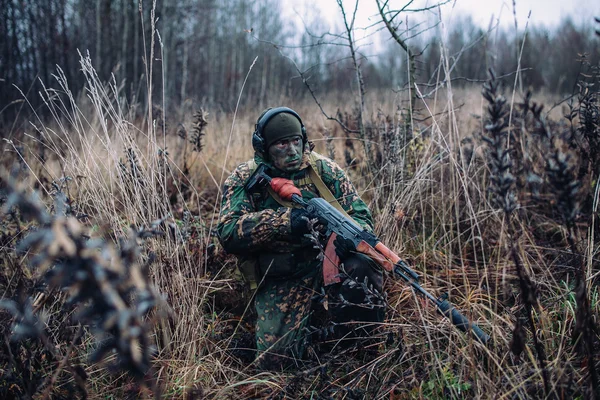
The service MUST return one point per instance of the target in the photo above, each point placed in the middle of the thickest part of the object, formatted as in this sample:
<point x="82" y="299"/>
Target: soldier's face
<point x="286" y="154"/>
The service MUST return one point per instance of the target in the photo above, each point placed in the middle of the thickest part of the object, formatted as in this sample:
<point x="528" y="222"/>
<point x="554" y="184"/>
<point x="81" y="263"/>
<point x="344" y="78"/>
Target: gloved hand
<point x="343" y="247"/>
<point x="299" y="221"/>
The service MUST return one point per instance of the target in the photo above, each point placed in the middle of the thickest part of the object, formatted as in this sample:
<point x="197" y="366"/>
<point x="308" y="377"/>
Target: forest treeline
<point x="204" y="48"/>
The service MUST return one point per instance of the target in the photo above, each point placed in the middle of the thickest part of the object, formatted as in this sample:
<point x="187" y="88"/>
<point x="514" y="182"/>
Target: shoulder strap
<point x="281" y="201"/>
<point x="322" y="187"/>
<point x="252" y="166"/>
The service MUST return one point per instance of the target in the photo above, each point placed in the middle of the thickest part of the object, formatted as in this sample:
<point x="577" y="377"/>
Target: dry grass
<point x="431" y="204"/>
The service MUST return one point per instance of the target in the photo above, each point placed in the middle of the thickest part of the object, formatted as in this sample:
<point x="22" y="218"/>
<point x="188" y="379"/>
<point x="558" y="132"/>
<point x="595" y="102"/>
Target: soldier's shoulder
<point x="327" y="165"/>
<point x="241" y="173"/>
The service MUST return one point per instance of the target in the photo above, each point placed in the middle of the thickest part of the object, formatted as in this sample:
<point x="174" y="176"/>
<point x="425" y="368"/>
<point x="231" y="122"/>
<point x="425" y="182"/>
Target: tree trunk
<point x="33" y="51"/>
<point x="9" y="66"/>
<point x="212" y="60"/>
<point x="125" y="5"/>
<point x="165" y="48"/>
<point x="184" y="72"/>
<point x="98" y="35"/>
<point x="136" y="43"/>
<point x="263" y="83"/>
<point x="66" y="67"/>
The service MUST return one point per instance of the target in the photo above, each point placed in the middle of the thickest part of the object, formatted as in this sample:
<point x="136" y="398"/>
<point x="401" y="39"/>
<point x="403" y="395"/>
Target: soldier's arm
<point x="242" y="230"/>
<point x="338" y="182"/>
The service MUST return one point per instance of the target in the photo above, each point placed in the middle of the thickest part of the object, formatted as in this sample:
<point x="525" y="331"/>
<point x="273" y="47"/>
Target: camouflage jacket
<point x="252" y="224"/>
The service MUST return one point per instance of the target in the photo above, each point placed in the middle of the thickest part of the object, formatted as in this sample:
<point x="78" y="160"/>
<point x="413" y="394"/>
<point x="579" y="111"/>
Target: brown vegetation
<point x="114" y="285"/>
<point x="432" y="202"/>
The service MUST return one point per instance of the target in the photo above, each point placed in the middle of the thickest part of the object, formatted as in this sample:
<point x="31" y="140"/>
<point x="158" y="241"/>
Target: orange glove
<point x="284" y="188"/>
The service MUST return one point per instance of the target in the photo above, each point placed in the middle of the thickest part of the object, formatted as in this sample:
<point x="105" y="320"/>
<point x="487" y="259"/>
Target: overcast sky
<point x="546" y="12"/>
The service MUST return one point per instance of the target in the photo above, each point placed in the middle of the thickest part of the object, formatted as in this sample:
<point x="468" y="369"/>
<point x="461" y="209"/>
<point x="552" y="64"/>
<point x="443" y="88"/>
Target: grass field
<point x="493" y="202"/>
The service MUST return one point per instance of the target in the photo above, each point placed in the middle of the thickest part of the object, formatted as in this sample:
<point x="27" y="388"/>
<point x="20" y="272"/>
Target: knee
<point x="359" y="267"/>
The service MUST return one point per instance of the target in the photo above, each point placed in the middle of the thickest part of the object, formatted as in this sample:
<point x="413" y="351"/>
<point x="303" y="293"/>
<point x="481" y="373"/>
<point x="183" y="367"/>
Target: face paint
<point x="286" y="154"/>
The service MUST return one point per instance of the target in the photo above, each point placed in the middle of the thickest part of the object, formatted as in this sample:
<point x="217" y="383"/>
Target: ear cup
<point x="258" y="141"/>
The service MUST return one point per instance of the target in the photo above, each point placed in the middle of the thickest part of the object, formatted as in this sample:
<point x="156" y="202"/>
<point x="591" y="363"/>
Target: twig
<point x="51" y="380"/>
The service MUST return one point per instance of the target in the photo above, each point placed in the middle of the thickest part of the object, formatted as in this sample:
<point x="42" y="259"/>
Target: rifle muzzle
<point x="460" y="321"/>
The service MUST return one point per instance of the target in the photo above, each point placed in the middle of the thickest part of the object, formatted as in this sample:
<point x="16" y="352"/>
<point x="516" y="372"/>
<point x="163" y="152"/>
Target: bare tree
<point x="207" y="45"/>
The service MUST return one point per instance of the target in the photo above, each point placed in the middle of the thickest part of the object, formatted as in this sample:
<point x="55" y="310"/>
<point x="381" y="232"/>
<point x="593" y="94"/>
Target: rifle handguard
<point x="331" y="262"/>
<point x="460" y="321"/>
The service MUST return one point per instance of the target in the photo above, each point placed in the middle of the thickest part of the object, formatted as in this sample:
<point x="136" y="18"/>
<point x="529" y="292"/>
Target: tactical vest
<point x="249" y="267"/>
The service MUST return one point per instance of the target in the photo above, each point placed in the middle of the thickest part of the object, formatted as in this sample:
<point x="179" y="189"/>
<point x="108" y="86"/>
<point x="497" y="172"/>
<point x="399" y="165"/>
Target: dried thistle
<point x="589" y="123"/>
<point x="393" y="141"/>
<point x="561" y="175"/>
<point x="134" y="166"/>
<point x="131" y="172"/>
<point x="182" y="132"/>
<point x="349" y="123"/>
<point x="329" y="144"/>
<point x="566" y="188"/>
<point x="159" y="117"/>
<point x="561" y="170"/>
<point x="373" y="297"/>
<point x="498" y="154"/>
<point x="502" y="183"/>
<point x="109" y="286"/>
<point x="27" y="324"/>
<point x="163" y="161"/>
<point x="42" y="145"/>
<point x="64" y="205"/>
<point x="198" y="127"/>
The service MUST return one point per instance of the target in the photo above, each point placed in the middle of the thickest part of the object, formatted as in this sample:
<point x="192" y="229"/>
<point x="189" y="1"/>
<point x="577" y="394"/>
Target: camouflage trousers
<point x="285" y="311"/>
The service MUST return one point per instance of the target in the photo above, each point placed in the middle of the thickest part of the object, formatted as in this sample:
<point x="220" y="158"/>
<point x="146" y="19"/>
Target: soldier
<point x="278" y="258"/>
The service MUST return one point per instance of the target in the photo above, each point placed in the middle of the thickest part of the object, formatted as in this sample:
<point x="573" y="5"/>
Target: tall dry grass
<point x="430" y="195"/>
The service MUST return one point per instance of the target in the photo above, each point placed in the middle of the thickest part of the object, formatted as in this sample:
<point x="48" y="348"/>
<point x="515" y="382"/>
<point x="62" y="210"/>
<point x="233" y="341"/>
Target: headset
<point x="258" y="141"/>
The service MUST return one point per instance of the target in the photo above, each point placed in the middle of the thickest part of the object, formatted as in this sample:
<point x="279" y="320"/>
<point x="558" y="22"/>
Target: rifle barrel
<point x="444" y="307"/>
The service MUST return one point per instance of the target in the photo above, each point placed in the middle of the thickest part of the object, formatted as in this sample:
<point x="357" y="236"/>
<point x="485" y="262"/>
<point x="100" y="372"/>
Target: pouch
<point x="277" y="265"/>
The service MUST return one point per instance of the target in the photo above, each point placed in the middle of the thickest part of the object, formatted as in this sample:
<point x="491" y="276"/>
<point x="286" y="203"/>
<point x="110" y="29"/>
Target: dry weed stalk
<point x="108" y="286"/>
<point x="198" y="131"/>
<point x="329" y="144"/>
<point x="502" y="183"/>
<point x="202" y="358"/>
<point x="562" y="168"/>
<point x="199" y="124"/>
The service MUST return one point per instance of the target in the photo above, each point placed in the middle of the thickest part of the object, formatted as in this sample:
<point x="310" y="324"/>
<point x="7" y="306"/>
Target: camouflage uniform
<point x="258" y="227"/>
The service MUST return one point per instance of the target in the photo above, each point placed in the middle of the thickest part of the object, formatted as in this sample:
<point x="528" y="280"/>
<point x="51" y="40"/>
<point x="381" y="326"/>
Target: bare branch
<point x="404" y="45"/>
<point x="437" y="85"/>
<point x="314" y="96"/>
<point x="359" y="77"/>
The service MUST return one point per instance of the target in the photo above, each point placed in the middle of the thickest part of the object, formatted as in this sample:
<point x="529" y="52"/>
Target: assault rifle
<point x="338" y="224"/>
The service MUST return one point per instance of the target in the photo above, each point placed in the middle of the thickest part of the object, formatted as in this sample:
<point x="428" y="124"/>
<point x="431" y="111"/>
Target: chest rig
<point x="311" y="184"/>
